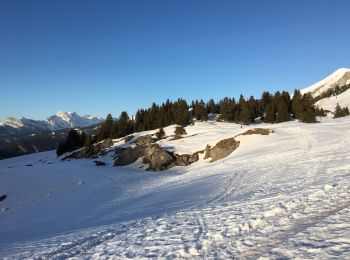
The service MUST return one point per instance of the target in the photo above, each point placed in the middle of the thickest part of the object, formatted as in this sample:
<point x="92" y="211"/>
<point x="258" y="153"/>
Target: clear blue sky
<point x="96" y="57"/>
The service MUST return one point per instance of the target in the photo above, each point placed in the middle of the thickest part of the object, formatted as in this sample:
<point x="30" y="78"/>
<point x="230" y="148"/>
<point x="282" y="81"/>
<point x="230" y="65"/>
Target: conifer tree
<point x="270" y="113"/>
<point x="227" y="109"/>
<point x="124" y="125"/>
<point x="107" y="128"/>
<point x="340" y="112"/>
<point x="244" y="115"/>
<point x="160" y="134"/>
<point x="179" y="131"/>
<point x="181" y="112"/>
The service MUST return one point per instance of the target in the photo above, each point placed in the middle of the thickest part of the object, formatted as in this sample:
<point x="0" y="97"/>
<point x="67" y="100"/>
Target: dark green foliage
<point x="179" y="131"/>
<point x="107" y="129"/>
<point x="297" y="104"/>
<point x="160" y="134"/>
<point x="199" y="110"/>
<point x="340" y="112"/>
<point x="181" y="114"/>
<point x="73" y="142"/>
<point x="270" y="113"/>
<point x="332" y="92"/>
<point x="244" y="112"/>
<point x="212" y="107"/>
<point x="320" y="112"/>
<point x="227" y="109"/>
<point x="282" y="105"/>
<point x="124" y="125"/>
<point x="303" y="107"/>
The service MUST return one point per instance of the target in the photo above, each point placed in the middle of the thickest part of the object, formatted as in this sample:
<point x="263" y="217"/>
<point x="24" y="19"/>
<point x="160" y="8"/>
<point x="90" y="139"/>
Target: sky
<point x="99" y="57"/>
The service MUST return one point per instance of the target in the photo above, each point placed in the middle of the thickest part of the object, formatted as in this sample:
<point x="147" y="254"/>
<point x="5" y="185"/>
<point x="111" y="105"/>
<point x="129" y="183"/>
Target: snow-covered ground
<point x="285" y="195"/>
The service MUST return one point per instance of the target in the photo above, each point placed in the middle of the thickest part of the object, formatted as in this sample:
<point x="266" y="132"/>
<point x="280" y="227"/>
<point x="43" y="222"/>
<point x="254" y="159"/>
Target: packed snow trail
<point x="286" y="195"/>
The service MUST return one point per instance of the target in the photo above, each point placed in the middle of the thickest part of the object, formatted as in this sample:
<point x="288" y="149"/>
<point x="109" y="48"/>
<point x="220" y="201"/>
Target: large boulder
<point x="157" y="158"/>
<point x="98" y="148"/>
<point x="145" y="140"/>
<point x="129" y="155"/>
<point x="128" y="138"/>
<point x="92" y="152"/>
<point x="258" y="131"/>
<point x="221" y="150"/>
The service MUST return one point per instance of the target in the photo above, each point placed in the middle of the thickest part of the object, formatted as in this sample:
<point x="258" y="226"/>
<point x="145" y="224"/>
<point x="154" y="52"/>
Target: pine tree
<point x="212" y="107"/>
<point x="181" y="112"/>
<point x="270" y="113"/>
<point x="227" y="109"/>
<point x="340" y="112"/>
<point x="282" y="111"/>
<point x="179" y="131"/>
<point x="107" y="128"/>
<point x="72" y="142"/>
<point x="244" y="115"/>
<point x="124" y="125"/>
<point x="160" y="134"/>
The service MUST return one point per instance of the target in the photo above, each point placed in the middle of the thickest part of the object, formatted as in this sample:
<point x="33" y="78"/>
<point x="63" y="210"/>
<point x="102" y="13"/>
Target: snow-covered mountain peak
<point x="60" y="120"/>
<point x="340" y="77"/>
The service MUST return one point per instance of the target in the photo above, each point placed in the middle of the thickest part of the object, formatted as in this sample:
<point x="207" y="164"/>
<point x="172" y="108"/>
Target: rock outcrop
<point x="91" y="152"/>
<point x="258" y="131"/>
<point x="129" y="155"/>
<point x="221" y="150"/>
<point x="145" y="140"/>
<point x="157" y="158"/>
<point x="186" y="159"/>
<point x="2" y="197"/>
<point x="128" y="138"/>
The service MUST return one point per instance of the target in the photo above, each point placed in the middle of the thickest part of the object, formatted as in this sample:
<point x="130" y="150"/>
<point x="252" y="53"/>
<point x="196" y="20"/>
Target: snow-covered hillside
<point x="331" y="102"/>
<point x="61" y="120"/>
<point x="284" y="195"/>
<point x="340" y="77"/>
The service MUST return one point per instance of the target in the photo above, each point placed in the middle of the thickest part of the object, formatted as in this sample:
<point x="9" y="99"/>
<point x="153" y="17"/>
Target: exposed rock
<point x="78" y="154"/>
<point x="2" y="197"/>
<point x="221" y="149"/>
<point x="99" y="163"/>
<point x="157" y="158"/>
<point x="207" y="150"/>
<point x="182" y="159"/>
<point x="92" y="152"/>
<point x="258" y="131"/>
<point x="145" y="140"/>
<point x="128" y="138"/>
<point x="194" y="157"/>
<point x="99" y="147"/>
<point x="129" y="155"/>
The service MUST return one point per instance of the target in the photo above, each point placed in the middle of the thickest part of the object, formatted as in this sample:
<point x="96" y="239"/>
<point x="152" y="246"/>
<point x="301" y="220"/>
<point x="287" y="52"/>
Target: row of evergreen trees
<point x="271" y="108"/>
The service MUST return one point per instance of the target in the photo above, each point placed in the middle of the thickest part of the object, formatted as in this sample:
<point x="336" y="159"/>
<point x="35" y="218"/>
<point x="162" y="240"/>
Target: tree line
<point x="270" y="108"/>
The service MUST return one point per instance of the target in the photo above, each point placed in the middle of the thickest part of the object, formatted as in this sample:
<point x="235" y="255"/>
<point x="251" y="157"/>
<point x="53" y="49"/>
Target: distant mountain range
<point x="12" y="128"/>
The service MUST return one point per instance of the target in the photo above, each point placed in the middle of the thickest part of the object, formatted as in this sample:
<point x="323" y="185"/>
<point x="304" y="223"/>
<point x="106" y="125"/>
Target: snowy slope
<point x="330" y="103"/>
<point x="339" y="77"/>
<point x="285" y="195"/>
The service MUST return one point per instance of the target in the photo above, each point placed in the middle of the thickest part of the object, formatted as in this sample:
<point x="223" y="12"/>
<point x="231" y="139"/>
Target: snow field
<point x="285" y="195"/>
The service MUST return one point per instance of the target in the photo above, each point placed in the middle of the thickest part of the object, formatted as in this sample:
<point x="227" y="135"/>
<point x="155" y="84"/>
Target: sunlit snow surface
<point x="286" y="195"/>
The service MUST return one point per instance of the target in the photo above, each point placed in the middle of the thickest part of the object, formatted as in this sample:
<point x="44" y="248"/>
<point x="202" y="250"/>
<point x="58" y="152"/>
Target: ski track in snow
<point x="286" y="195"/>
